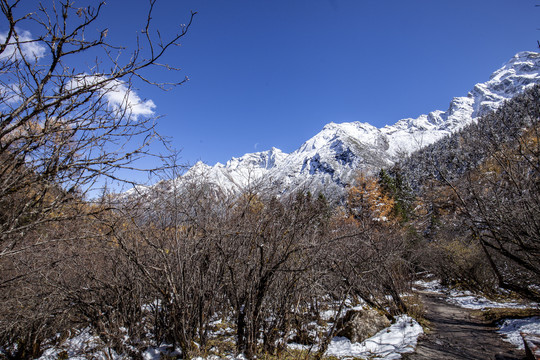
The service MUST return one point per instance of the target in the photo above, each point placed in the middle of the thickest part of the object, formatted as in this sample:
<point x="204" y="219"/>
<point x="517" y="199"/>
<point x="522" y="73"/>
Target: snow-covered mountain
<point x="329" y="160"/>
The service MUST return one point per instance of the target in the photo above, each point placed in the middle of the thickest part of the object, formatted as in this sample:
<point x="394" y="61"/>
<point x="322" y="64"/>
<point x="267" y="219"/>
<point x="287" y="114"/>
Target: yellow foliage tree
<point x="366" y="200"/>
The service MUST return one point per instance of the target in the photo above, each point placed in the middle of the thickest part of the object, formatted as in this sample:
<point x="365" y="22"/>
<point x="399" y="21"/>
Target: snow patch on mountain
<point x="238" y="173"/>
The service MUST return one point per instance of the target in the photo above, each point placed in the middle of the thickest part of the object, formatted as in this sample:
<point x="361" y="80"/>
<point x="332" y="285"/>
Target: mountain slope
<point x="328" y="160"/>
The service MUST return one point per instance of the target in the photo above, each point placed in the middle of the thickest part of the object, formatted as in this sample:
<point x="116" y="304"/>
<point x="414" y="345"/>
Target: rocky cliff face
<point x="328" y="161"/>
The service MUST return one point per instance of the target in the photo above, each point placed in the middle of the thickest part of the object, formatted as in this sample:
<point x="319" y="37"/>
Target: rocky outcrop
<point x="358" y="325"/>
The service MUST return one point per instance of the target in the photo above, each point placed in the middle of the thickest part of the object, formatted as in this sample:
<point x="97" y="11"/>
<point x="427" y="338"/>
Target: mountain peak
<point x="522" y="58"/>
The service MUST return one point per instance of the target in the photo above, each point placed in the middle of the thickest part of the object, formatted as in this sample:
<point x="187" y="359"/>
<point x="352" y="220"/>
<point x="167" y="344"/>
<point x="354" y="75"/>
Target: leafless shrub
<point x="63" y="131"/>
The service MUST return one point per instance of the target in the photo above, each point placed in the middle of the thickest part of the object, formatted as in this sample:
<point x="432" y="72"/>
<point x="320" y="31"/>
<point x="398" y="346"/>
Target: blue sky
<point x="272" y="73"/>
<point x="269" y="73"/>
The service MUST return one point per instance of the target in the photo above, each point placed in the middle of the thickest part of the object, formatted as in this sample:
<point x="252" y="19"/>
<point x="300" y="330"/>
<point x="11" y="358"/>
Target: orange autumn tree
<point x="366" y="200"/>
<point x="372" y="256"/>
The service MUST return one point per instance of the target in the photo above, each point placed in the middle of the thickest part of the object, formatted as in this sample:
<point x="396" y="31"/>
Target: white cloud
<point x="9" y="94"/>
<point x="29" y="47"/>
<point x="117" y="94"/>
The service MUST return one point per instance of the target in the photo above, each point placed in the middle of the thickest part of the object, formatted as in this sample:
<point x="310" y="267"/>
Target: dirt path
<point x="455" y="333"/>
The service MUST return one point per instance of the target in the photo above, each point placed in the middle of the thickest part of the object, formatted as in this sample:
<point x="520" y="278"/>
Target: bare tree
<point x="270" y="249"/>
<point x="487" y="178"/>
<point x="502" y="205"/>
<point x="371" y="256"/>
<point x="64" y="130"/>
<point x="169" y="240"/>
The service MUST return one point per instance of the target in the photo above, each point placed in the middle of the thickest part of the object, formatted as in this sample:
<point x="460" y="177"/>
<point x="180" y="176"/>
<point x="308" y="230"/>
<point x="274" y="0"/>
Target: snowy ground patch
<point x="84" y="345"/>
<point x="469" y="300"/>
<point x="389" y="343"/>
<point x="80" y="347"/>
<point x="431" y="286"/>
<point x="228" y="357"/>
<point x="401" y="337"/>
<point x="511" y="329"/>
<point x="156" y="353"/>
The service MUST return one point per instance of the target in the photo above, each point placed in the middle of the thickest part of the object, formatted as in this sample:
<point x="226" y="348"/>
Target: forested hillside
<point x="480" y="187"/>
<point x="456" y="154"/>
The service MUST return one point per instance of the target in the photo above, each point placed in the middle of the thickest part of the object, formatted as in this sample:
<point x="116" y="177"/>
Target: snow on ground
<point x="401" y="337"/>
<point x="156" y="353"/>
<point x="79" y="347"/>
<point x="229" y="357"/>
<point x="431" y="286"/>
<point x="330" y="314"/>
<point x="389" y="343"/>
<point x="511" y="329"/>
<point x="469" y="300"/>
<point x="84" y="345"/>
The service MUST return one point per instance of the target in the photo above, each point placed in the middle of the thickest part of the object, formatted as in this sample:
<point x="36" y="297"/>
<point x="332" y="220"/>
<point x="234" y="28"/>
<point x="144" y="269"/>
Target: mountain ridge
<point x="329" y="160"/>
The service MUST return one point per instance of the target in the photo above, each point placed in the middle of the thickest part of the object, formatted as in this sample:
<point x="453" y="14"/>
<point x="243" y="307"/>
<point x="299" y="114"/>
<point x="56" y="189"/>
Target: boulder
<point x="359" y="325"/>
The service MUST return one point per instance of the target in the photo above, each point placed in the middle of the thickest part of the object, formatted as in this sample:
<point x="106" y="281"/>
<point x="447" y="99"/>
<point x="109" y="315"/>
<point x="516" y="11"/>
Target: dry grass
<point x="498" y="314"/>
<point x="416" y="310"/>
